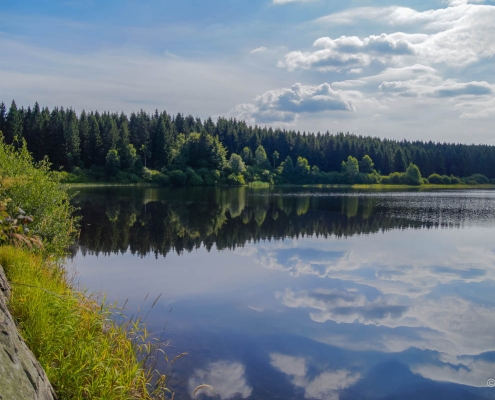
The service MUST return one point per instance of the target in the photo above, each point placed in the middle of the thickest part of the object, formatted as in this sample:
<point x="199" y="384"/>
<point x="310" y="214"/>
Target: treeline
<point x="180" y="150"/>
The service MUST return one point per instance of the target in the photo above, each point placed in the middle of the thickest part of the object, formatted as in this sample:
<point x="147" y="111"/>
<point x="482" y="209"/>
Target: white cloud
<point x="226" y="378"/>
<point x="350" y="52"/>
<point x="456" y="36"/>
<point x="261" y="49"/>
<point x="284" y="105"/>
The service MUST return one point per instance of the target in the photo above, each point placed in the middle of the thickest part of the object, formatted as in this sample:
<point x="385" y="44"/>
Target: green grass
<point x="258" y="184"/>
<point x="84" y="353"/>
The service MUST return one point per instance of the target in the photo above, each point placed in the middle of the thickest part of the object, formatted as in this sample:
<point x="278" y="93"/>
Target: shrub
<point x="178" y="178"/>
<point x="425" y="181"/>
<point x="37" y="191"/>
<point x="236" y="180"/>
<point x="395" y="178"/>
<point x="478" y="178"/>
<point x="455" y="180"/>
<point x="413" y="175"/>
<point x="195" y="180"/>
<point x="446" y="180"/>
<point x="435" y="179"/>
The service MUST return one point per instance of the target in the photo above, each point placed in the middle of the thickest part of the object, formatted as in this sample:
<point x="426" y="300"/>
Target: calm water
<point x="304" y="293"/>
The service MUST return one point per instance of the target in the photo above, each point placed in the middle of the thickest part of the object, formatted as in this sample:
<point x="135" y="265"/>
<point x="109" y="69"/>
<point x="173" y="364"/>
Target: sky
<point x="398" y="69"/>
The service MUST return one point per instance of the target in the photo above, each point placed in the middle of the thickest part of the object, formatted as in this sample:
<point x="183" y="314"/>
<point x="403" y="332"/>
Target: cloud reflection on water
<point x="324" y="386"/>
<point x="227" y="379"/>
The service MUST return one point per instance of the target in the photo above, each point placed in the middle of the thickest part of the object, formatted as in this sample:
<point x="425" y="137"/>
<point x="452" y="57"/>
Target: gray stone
<point x="21" y="375"/>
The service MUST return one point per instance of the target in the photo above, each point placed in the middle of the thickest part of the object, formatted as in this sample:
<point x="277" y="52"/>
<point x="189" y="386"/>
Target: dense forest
<point x="183" y="150"/>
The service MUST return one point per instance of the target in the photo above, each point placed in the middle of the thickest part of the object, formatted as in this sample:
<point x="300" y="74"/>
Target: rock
<point x="21" y="375"/>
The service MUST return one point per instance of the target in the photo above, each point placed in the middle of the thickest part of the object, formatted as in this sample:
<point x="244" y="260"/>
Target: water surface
<point x="304" y="293"/>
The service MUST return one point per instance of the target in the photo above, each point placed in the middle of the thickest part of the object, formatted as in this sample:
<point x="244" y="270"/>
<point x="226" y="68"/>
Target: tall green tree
<point x="351" y="168"/>
<point x="260" y="158"/>
<point x="399" y="161"/>
<point x="366" y="165"/>
<point x="13" y="125"/>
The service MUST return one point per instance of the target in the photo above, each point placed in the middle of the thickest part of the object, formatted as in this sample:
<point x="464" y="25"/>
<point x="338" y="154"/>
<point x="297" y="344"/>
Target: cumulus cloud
<point x="325" y="386"/>
<point x="457" y="35"/>
<point x="284" y="105"/>
<point x="351" y="52"/>
<point x="226" y="378"/>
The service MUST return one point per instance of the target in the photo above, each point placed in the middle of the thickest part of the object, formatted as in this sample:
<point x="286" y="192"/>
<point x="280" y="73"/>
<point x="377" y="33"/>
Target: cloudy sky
<point x="391" y="68"/>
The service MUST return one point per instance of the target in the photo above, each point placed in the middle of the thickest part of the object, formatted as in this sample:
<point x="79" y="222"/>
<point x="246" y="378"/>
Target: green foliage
<point x="435" y="179"/>
<point x="37" y="191"/>
<point x="178" y="178"/>
<point x="478" y="178"/>
<point x="236" y="164"/>
<point x="366" y="165"/>
<point x="15" y="231"/>
<point x="247" y="155"/>
<point x="193" y="179"/>
<point x="439" y="179"/>
<point x="413" y="175"/>
<point x="395" y="178"/>
<point x="455" y="180"/>
<point x="160" y="140"/>
<point x="287" y="169"/>
<point x="202" y="151"/>
<point x="351" y="168"/>
<point x="84" y="353"/>
<point x="236" y="180"/>
<point x="260" y="158"/>
<point x="112" y="163"/>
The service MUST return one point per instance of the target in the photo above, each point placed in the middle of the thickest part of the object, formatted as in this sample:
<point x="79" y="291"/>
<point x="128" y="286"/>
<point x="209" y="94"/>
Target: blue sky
<point x="397" y="69"/>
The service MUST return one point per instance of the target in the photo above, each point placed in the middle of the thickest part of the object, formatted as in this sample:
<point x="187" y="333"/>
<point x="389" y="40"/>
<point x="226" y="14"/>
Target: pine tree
<point x="13" y="129"/>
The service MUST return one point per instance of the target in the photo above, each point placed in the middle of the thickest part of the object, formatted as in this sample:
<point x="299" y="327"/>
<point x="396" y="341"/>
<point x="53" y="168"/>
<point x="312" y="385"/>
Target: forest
<point x="183" y="150"/>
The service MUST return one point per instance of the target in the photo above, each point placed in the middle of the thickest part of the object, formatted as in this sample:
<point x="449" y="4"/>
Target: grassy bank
<point x="84" y="353"/>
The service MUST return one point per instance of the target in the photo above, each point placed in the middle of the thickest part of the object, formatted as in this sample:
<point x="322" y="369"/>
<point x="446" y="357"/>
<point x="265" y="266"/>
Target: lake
<point x="303" y="293"/>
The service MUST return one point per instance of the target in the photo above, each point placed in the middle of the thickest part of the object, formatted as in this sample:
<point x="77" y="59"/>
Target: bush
<point x="149" y="174"/>
<point x="127" y="177"/>
<point x="236" y="180"/>
<point x="426" y="181"/>
<point x="435" y="179"/>
<point x="178" y="178"/>
<point x="195" y="180"/>
<point x="455" y="180"/>
<point x="413" y="175"/>
<point x="446" y="180"/>
<point x="36" y="190"/>
<point x="478" y="178"/>
<point x="395" y="178"/>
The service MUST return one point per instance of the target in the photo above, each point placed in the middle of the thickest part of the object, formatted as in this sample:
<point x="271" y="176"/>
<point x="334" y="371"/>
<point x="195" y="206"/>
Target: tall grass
<point x="85" y="354"/>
